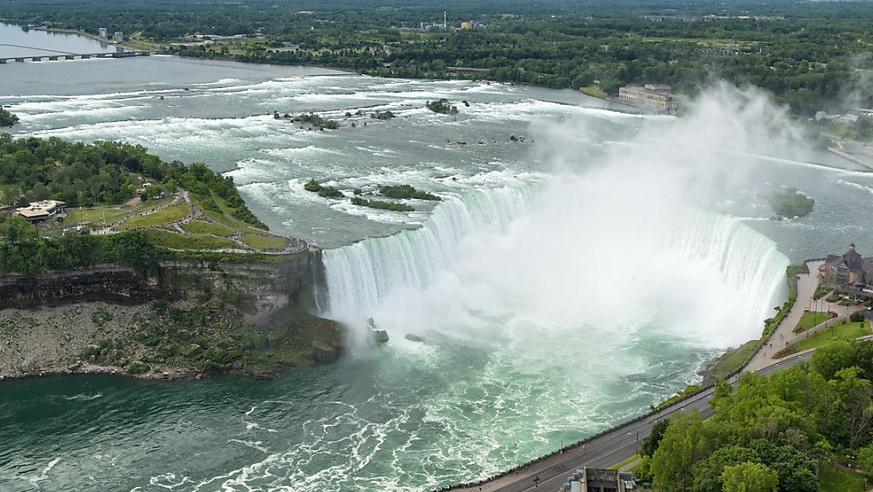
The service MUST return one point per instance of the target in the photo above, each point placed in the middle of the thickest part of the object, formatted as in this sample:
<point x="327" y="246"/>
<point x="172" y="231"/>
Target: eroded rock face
<point x="107" y="283"/>
<point x="110" y="319"/>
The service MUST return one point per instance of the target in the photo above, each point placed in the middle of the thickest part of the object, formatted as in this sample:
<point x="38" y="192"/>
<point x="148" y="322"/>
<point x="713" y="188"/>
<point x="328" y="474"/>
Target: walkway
<point x="784" y="334"/>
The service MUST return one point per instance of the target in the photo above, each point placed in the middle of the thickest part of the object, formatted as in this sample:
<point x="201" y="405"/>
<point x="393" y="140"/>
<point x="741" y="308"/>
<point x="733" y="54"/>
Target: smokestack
<point x="445" y="26"/>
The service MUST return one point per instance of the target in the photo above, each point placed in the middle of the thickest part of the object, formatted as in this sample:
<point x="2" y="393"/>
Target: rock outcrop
<point x="247" y="317"/>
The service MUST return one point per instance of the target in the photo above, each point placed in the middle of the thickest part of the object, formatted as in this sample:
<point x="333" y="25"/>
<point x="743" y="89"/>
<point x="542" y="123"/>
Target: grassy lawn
<point x="152" y="204"/>
<point x="732" y="360"/>
<point x="225" y="218"/>
<point x="95" y="216"/>
<point x="230" y="220"/>
<point x="848" y="331"/>
<point x="162" y="216"/>
<point x="594" y="91"/>
<point x="203" y="227"/>
<point x="188" y="241"/>
<point x="263" y="242"/>
<point x="832" y="477"/>
<point x="809" y="320"/>
<point x="107" y="215"/>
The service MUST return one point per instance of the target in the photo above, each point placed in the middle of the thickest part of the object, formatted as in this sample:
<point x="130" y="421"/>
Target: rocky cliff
<point x="192" y="317"/>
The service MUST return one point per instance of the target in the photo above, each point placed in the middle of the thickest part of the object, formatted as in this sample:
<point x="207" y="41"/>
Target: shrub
<point x="329" y="192"/>
<point x="137" y="367"/>
<point x="406" y="191"/>
<point x="378" y="204"/>
<point x="442" y="106"/>
<point x="312" y="185"/>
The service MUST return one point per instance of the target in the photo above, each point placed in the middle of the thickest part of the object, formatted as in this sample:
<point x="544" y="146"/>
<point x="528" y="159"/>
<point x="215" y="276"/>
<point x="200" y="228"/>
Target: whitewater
<point x="568" y="279"/>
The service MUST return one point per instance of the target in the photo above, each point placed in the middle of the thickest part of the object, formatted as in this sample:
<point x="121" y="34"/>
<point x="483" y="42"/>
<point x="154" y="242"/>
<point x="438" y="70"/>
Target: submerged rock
<point x="415" y="338"/>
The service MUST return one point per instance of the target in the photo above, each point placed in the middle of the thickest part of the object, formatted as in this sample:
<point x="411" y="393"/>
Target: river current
<point x="584" y="263"/>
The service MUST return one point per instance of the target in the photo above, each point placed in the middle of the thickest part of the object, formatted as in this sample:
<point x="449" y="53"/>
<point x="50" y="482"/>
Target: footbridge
<point x="54" y="55"/>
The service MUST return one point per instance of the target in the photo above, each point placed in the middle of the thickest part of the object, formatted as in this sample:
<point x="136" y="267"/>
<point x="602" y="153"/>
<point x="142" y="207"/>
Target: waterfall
<point x="360" y="274"/>
<point x="557" y="258"/>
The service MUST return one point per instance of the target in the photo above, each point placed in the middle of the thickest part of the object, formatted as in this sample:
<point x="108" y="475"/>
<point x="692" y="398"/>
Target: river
<point x="584" y="263"/>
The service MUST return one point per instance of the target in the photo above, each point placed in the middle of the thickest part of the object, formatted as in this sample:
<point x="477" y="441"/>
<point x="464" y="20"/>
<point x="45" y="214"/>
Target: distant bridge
<point x="54" y="55"/>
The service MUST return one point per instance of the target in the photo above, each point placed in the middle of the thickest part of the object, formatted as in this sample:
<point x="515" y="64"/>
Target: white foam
<point x="44" y="473"/>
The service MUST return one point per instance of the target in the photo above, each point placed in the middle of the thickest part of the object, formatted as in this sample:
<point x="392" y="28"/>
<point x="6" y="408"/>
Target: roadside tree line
<point x="771" y="432"/>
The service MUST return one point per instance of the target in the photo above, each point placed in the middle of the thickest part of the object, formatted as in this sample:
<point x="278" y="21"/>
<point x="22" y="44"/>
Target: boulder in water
<point x="415" y="338"/>
<point x="380" y="336"/>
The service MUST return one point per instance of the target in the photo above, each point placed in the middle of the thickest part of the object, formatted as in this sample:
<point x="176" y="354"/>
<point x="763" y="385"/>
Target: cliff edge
<point x="190" y="318"/>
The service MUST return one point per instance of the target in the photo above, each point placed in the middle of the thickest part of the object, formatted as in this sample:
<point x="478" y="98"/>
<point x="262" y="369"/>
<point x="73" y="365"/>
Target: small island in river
<point x="790" y="203"/>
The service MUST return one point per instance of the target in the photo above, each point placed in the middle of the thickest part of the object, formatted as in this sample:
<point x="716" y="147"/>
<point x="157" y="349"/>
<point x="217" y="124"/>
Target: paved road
<point x="623" y="442"/>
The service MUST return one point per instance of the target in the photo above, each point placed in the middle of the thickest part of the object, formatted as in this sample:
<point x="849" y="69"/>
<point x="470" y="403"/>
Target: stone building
<point x="653" y="96"/>
<point x="849" y="271"/>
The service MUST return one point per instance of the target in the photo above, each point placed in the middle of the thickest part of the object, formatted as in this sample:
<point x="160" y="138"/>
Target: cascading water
<point x="553" y="256"/>
<point x="360" y="275"/>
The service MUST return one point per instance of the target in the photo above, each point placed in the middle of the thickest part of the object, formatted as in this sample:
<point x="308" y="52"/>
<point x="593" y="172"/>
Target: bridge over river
<point x="54" y="55"/>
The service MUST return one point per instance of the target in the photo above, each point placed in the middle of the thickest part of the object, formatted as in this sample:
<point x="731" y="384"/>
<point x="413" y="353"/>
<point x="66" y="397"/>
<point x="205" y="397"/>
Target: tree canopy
<point x="770" y="433"/>
<point x="808" y="54"/>
<point x="104" y="173"/>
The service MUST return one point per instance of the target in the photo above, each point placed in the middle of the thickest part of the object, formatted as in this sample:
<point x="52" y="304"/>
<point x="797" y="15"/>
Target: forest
<point x="809" y="55"/>
<point x="777" y="432"/>
<point x="85" y="175"/>
<point x="104" y="173"/>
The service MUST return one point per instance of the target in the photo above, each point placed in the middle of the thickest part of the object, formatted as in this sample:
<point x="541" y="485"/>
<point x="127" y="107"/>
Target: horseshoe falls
<point x="505" y="255"/>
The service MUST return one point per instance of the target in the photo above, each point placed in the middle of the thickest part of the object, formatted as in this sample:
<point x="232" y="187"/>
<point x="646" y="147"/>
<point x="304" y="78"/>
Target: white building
<point x="654" y="96"/>
<point x="37" y="211"/>
<point x="119" y="37"/>
<point x="103" y="33"/>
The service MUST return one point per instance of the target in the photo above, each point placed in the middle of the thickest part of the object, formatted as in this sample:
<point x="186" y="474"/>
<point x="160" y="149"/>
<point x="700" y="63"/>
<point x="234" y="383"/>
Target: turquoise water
<point x="568" y="279"/>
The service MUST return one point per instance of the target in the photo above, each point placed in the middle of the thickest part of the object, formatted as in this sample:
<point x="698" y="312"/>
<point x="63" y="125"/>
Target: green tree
<point x="682" y="446"/>
<point x="796" y="470"/>
<point x="749" y="477"/>
<point x="651" y="442"/>
<point x="7" y="118"/>
<point x="708" y="473"/>
<point x="864" y="460"/>
<point x="828" y="359"/>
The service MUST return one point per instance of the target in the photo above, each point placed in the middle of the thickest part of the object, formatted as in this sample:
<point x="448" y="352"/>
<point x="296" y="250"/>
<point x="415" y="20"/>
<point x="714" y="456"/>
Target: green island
<point x="790" y="203"/>
<point x="313" y="120"/>
<point x="113" y="260"/>
<point x="442" y="106"/>
<point x="399" y="192"/>
<point x="7" y="118"/>
<point x="382" y="205"/>
<point x="407" y="191"/>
